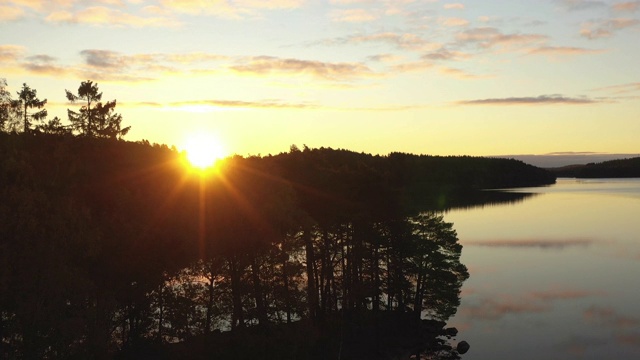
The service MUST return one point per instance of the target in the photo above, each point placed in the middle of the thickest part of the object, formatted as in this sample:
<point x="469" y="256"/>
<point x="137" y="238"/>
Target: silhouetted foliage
<point x="114" y="249"/>
<point x="95" y="118"/>
<point x="6" y="107"/>
<point x="27" y="99"/>
<point x="624" y="168"/>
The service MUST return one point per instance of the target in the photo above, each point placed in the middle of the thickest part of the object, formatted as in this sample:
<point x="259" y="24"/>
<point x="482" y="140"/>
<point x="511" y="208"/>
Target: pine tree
<point x="27" y="99"/>
<point x="95" y="119"/>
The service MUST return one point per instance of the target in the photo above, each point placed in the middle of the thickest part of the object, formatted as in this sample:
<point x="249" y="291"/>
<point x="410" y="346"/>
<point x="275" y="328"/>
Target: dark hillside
<point x="624" y="168"/>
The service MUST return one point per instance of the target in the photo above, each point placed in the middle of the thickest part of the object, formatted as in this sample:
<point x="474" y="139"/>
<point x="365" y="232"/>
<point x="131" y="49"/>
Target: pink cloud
<point x="488" y="37"/>
<point x="353" y="15"/>
<point x="104" y="16"/>
<point x="607" y="28"/>
<point x="9" y="13"/>
<point x="629" y="6"/>
<point x="456" y="6"/>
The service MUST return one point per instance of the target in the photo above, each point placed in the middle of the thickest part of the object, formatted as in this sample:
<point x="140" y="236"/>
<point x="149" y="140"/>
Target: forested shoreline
<point x="108" y="247"/>
<point x="622" y="168"/>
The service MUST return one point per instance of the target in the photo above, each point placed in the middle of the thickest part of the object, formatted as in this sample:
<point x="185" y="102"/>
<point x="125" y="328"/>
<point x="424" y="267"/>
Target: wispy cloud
<point x="385" y="58"/>
<point x="105" y="16"/>
<point x="563" y="294"/>
<point x="412" y="66"/>
<point x="225" y="8"/>
<point x="531" y="100"/>
<point x="577" y="5"/>
<point x="268" y="65"/>
<point x="489" y="37"/>
<point x="457" y="6"/>
<point x="577" y="345"/>
<point x="632" y="339"/>
<point x="453" y="21"/>
<point x="606" y="28"/>
<point x="108" y="64"/>
<point x="353" y="15"/>
<point x="498" y="306"/>
<point x="43" y="64"/>
<point x="445" y="54"/>
<point x="11" y="52"/>
<point x="10" y="13"/>
<point x="629" y="6"/>
<point x="607" y="316"/>
<point x="494" y="309"/>
<point x="400" y="40"/>
<point x="622" y="88"/>
<point x="459" y="74"/>
<point x="221" y="103"/>
<point x="563" y="51"/>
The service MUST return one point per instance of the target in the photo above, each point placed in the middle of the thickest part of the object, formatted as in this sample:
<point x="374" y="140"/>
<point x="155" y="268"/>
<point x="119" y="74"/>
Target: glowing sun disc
<point x="203" y="150"/>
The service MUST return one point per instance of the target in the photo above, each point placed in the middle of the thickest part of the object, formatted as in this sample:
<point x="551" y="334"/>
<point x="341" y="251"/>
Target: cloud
<point x="104" y="59"/>
<point x="577" y="5"/>
<point x="606" y="28"/>
<point x="579" y="345"/>
<point x="385" y="58"/>
<point x="353" y="15"/>
<point x="488" y="37"/>
<point x="275" y="104"/>
<point x="146" y="66"/>
<point x="452" y="22"/>
<point x="10" y="52"/>
<point x="445" y="54"/>
<point x="624" y="326"/>
<point x="262" y="104"/>
<point x="629" y="6"/>
<point x="268" y="65"/>
<point x="104" y="16"/>
<point x="498" y="306"/>
<point x="413" y="66"/>
<point x="10" y="13"/>
<point x="606" y="316"/>
<point x="403" y="41"/>
<point x="43" y="65"/>
<point x="456" y="6"/>
<point x="459" y="74"/>
<point x="271" y="4"/>
<point x="564" y="294"/>
<point x="563" y="51"/>
<point x="632" y="339"/>
<point x="538" y="100"/>
<point x="622" y="89"/>
<point x="542" y="244"/>
<point x="218" y="103"/>
<point x="495" y="309"/>
<point x="225" y="8"/>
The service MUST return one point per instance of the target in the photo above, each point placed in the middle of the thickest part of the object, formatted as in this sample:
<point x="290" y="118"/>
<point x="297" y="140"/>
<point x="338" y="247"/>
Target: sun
<point x="203" y="150"/>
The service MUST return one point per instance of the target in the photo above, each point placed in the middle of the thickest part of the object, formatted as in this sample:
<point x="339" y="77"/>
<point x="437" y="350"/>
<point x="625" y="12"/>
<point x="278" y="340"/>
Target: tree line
<point x="622" y="168"/>
<point x="109" y="247"/>
<point x="27" y="113"/>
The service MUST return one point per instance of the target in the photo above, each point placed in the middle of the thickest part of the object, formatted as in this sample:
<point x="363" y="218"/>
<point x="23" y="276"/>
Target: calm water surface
<point x="556" y="276"/>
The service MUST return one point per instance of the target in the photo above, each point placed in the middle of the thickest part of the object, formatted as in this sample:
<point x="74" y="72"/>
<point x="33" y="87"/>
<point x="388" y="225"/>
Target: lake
<point x="554" y="276"/>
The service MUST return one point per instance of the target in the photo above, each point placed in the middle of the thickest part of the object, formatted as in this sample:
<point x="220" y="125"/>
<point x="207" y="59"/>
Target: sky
<point x="377" y="76"/>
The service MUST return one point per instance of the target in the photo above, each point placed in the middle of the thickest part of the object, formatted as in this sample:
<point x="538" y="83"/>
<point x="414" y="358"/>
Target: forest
<point x="112" y="249"/>
<point x="623" y="168"/>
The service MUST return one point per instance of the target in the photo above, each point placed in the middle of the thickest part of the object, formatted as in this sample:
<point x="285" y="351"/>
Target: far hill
<point x="625" y="168"/>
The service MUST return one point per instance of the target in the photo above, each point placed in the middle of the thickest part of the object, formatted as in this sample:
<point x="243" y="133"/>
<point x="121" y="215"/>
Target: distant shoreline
<point x="556" y="160"/>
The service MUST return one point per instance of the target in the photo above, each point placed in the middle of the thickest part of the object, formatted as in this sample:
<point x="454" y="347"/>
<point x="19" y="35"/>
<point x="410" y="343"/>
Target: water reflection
<point x="554" y="276"/>
<point x="468" y="199"/>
